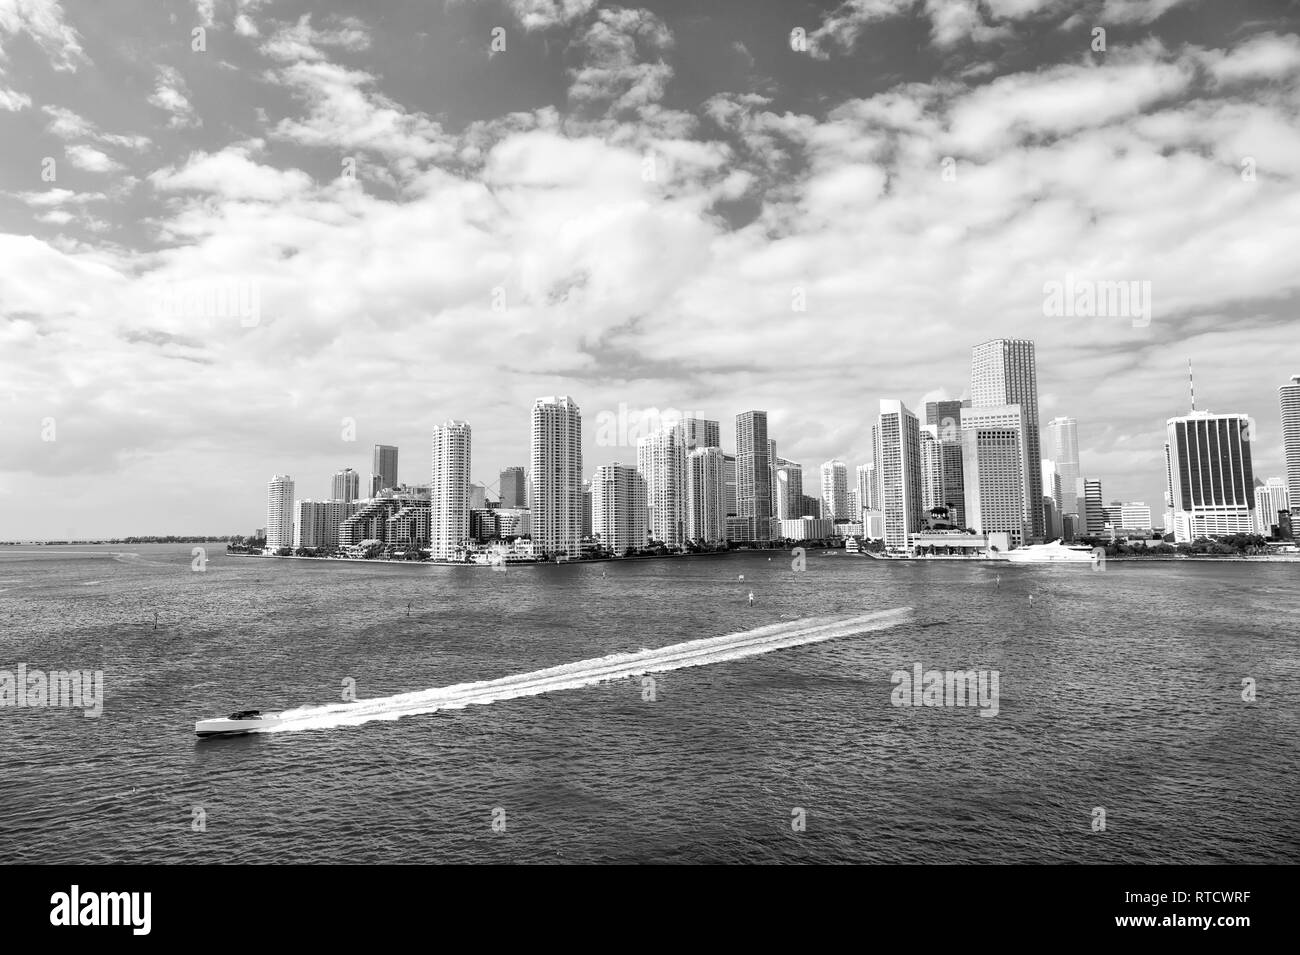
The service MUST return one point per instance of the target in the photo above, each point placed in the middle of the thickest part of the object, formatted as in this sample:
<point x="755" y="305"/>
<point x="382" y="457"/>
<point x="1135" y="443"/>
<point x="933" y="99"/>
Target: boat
<point x="236" y="724"/>
<point x="1056" y="552"/>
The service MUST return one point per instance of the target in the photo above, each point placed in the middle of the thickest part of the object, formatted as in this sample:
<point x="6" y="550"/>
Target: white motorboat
<point x="1054" y="553"/>
<point x="236" y="724"/>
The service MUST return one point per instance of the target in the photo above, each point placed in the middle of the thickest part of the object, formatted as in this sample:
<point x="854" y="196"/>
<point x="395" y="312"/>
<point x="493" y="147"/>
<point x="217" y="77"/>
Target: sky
<point x="252" y="237"/>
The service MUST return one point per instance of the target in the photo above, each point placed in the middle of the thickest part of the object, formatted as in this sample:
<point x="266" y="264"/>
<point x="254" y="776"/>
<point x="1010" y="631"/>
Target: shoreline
<point x="461" y="563"/>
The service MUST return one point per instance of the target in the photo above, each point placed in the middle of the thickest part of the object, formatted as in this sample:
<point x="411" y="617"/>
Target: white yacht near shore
<point x="1056" y="552"/>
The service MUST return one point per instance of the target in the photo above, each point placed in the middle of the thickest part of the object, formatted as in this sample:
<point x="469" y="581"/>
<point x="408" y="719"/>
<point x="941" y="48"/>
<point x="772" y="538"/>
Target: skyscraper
<point x="1288" y="397"/>
<point x="946" y="418"/>
<point x="706" y="498"/>
<point x="898" y="466"/>
<point x="345" y="485"/>
<point x="618" y="508"/>
<point x="942" y="483"/>
<point x="788" y="490"/>
<point x="661" y="459"/>
<point x="835" y="491"/>
<point x="1213" y="476"/>
<point x="771" y="481"/>
<point x="701" y="433"/>
<point x="279" y="512"/>
<point x="866" y="475"/>
<point x="449" y="489"/>
<point x="729" y="476"/>
<point x="588" y="528"/>
<point x="1094" y="509"/>
<point x="753" y="474"/>
<point x="555" y="476"/>
<point x="1271" y="499"/>
<point x="513" y="490"/>
<point x="1063" y="447"/>
<point x="383" y="469"/>
<point x="1004" y="372"/>
<point x="995" y="457"/>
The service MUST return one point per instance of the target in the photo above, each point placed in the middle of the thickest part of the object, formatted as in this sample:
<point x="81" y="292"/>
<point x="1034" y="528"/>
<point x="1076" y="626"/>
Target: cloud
<point x="172" y="95"/>
<point x="12" y="101"/>
<point x="43" y="21"/>
<point x="68" y="125"/>
<point x="91" y="159"/>
<point x="232" y="174"/>
<point x="622" y="66"/>
<point x="548" y="14"/>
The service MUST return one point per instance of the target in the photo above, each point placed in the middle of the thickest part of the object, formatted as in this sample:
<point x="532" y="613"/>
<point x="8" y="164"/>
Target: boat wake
<point x="570" y="676"/>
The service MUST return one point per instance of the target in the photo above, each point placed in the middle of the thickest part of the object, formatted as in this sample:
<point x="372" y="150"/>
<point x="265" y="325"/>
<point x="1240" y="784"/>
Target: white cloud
<point x="91" y="159"/>
<point x="171" y="94"/>
<point x="232" y="174"/>
<point x="43" y="21"/>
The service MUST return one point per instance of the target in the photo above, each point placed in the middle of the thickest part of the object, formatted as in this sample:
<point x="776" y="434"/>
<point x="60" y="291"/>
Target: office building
<point x="995" y="457"/>
<point x="1004" y="373"/>
<point x="835" y="491"/>
<point x="753" y="474"/>
<point x="279" y="512"/>
<point x="1289" y="401"/>
<point x="789" y="490"/>
<point x="661" y="459"/>
<point x="345" y="485"/>
<point x="706" y="498"/>
<point x="1212" y="475"/>
<point x="450" y="490"/>
<point x="618" y="508"/>
<point x="1271" y="499"/>
<point x="701" y="433"/>
<point x="1063" y="446"/>
<point x="898" y="466"/>
<point x="555" y="476"/>
<point x="514" y="492"/>
<point x="383" y="469"/>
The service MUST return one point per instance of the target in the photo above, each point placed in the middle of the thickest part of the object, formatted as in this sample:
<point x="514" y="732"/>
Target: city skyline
<point x="374" y="248"/>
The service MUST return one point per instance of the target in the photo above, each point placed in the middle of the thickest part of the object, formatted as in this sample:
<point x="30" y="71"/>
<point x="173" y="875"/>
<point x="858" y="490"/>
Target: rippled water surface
<point x="1120" y="689"/>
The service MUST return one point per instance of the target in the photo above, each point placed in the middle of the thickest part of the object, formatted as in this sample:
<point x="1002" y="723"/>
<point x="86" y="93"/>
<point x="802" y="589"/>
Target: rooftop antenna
<point x="1191" y="385"/>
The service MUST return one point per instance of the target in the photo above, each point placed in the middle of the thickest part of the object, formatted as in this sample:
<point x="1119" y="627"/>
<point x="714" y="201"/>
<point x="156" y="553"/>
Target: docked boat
<point x="1056" y="552"/>
<point x="236" y="724"/>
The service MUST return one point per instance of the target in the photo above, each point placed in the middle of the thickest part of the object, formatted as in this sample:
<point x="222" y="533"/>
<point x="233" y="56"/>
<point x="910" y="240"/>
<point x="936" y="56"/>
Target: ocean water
<point x="1119" y="690"/>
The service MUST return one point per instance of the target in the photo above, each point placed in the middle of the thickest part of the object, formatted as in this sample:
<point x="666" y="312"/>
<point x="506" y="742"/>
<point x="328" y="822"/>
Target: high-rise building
<point x="383" y="469"/>
<point x="1094" y="510"/>
<point x="1213" y="477"/>
<point x="618" y="508"/>
<point x="835" y="491"/>
<point x="1063" y="446"/>
<point x="1271" y="499"/>
<point x="1288" y="397"/>
<point x="555" y="476"/>
<point x="753" y="474"/>
<point x="701" y="433"/>
<point x="706" y="498"/>
<point x="345" y="485"/>
<point x="942" y="482"/>
<point x="945" y="416"/>
<point x="995" y="457"/>
<point x="1052" y="515"/>
<point x="771" y="477"/>
<point x="729" y="476"/>
<point x="866" y="475"/>
<point x="279" y="512"/>
<point x="810" y="506"/>
<point x="1004" y="372"/>
<point x="661" y="459"/>
<point x="317" y="522"/>
<point x="513" y="490"/>
<point x="587" y="527"/>
<point x="898" y="464"/>
<point x="477" y="496"/>
<point x="450" y="489"/>
<point x="788" y="490"/>
<point x="1135" y="516"/>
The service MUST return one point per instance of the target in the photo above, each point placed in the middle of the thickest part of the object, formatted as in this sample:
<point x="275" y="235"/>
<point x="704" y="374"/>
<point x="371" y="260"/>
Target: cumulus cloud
<point x="172" y="95"/>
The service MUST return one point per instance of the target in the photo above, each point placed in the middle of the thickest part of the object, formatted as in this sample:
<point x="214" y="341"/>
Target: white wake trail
<point x="569" y="676"/>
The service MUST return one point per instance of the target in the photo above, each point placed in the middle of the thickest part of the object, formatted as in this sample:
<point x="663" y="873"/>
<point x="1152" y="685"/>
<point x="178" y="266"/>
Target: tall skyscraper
<point x="1094" y="510"/>
<point x="555" y="476"/>
<point x="449" y="489"/>
<point x="995" y="457"/>
<point x="1063" y="446"/>
<point x="513" y="490"/>
<point x="618" y="508"/>
<point x="898" y="464"/>
<point x="771" y="480"/>
<point x="866" y="482"/>
<point x="1288" y="397"/>
<point x="588" y="527"/>
<point x="661" y="459"/>
<point x="383" y="469"/>
<point x="1004" y="372"/>
<point x="788" y="490"/>
<point x="1213" y="476"/>
<point x="729" y="476"/>
<point x="946" y="418"/>
<point x="701" y="433"/>
<point x="1271" y="499"/>
<point x="835" y="491"/>
<point x="753" y="474"/>
<point x="279" y="512"/>
<point x="706" y="498"/>
<point x="345" y="485"/>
